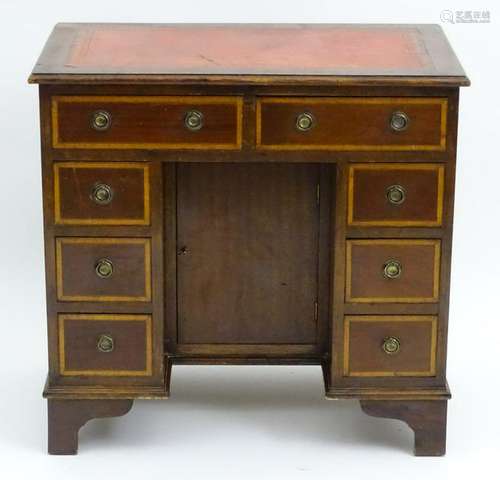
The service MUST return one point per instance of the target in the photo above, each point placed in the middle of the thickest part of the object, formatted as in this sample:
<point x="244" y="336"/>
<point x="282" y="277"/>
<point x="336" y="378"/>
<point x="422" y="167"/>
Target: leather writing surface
<point x="248" y="49"/>
<point x="253" y="49"/>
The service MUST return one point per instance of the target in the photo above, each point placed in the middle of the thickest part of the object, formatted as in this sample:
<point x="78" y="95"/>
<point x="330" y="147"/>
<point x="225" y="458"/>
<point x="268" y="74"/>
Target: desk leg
<point x="66" y="417"/>
<point x="427" y="418"/>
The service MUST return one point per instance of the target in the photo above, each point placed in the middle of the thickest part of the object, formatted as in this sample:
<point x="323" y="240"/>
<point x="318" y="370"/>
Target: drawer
<point x="101" y="193"/>
<point x="384" y="346"/>
<point x="105" y="345"/>
<point x="395" y="195"/>
<point x="392" y="271"/>
<point x="146" y="122"/>
<point x="103" y="269"/>
<point x="351" y="123"/>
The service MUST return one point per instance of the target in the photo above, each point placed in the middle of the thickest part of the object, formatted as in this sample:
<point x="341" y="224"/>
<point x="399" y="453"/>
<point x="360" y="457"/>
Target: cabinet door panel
<point x="247" y="253"/>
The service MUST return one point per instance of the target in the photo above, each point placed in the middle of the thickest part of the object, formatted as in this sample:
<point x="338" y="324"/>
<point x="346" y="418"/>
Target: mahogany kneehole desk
<point x="259" y="194"/>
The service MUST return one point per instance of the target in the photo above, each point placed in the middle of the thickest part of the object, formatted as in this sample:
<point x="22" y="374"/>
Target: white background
<point x="249" y="422"/>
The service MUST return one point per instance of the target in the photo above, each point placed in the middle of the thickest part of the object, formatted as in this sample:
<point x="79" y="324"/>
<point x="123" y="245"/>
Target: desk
<point x="248" y="194"/>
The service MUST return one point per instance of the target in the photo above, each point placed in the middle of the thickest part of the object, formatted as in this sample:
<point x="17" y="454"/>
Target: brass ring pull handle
<point x="392" y="269"/>
<point x="399" y="121"/>
<point x="105" y="343"/>
<point x="305" y="121"/>
<point x="104" y="268"/>
<point x="101" y="194"/>
<point x="193" y="120"/>
<point x="396" y="194"/>
<point x="101" y="120"/>
<point x="391" y="345"/>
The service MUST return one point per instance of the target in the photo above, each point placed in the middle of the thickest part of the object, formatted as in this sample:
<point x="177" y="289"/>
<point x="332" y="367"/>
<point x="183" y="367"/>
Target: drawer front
<point x="395" y="195"/>
<point x="383" y="346"/>
<point x="103" y="269"/>
<point x="144" y="122"/>
<point x="350" y="124"/>
<point x="392" y="271"/>
<point x="101" y="193"/>
<point x="105" y="345"/>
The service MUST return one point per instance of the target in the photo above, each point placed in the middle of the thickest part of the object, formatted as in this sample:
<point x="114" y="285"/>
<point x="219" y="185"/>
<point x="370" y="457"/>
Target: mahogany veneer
<point x="248" y="194"/>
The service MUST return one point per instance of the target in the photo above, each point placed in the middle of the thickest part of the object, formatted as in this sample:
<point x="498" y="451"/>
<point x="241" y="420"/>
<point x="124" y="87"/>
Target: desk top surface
<point x="248" y="53"/>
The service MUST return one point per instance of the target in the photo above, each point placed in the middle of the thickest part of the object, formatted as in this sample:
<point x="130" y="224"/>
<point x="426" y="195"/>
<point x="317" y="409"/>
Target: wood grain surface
<point x="365" y="334"/>
<point x="247" y="253"/>
<point x="418" y="282"/>
<point x="423" y="187"/>
<point x="78" y="341"/>
<point x="345" y="124"/>
<point x="74" y="183"/>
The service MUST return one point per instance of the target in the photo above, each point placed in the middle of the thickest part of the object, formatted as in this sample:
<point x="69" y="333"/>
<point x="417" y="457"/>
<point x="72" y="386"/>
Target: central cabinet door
<point x="247" y="244"/>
